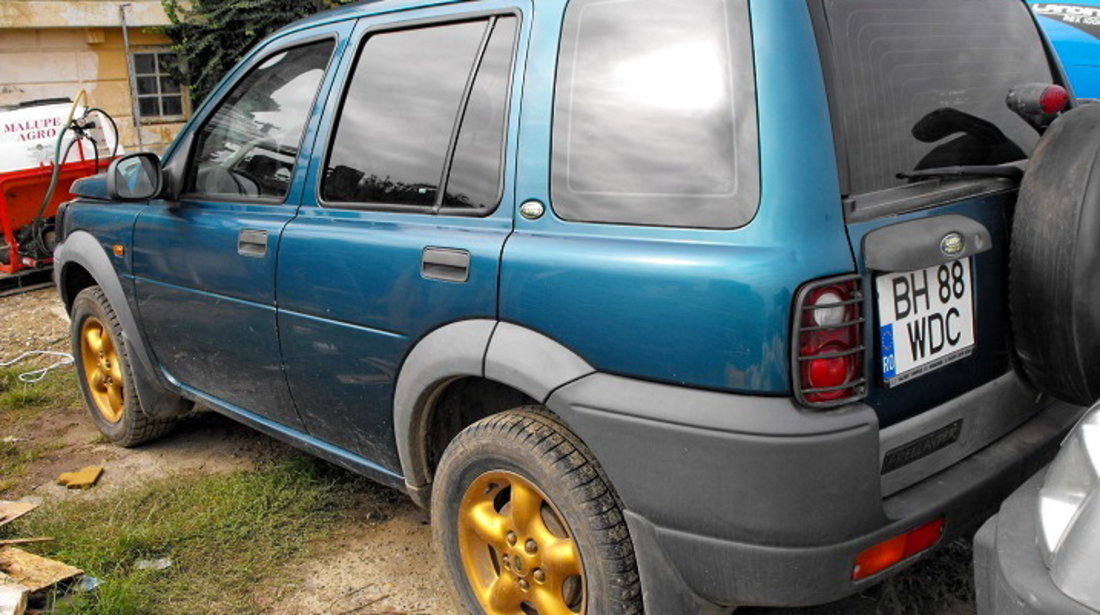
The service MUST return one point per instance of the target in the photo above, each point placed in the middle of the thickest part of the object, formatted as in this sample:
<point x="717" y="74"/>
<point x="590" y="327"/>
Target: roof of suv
<point x="360" y="9"/>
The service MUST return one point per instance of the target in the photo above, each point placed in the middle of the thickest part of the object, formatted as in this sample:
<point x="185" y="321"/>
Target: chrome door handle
<point x="253" y="243"/>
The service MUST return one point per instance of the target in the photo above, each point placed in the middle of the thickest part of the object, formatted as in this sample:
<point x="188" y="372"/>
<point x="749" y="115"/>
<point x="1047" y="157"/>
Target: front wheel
<point x="106" y="374"/>
<point x="526" y="522"/>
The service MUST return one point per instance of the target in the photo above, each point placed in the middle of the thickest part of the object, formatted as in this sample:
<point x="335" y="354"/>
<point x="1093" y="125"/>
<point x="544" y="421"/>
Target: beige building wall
<point x="55" y="48"/>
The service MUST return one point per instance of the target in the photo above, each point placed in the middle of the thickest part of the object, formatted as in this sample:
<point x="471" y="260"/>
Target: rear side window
<point x="920" y="84"/>
<point x="476" y="172"/>
<point x="654" y="115"/>
<point x="248" y="148"/>
<point x="425" y="108"/>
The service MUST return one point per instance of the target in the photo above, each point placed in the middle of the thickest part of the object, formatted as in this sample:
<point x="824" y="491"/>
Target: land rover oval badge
<point x="952" y="244"/>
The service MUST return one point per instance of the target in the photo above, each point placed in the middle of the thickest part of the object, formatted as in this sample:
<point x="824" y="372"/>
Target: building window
<point x="160" y="97"/>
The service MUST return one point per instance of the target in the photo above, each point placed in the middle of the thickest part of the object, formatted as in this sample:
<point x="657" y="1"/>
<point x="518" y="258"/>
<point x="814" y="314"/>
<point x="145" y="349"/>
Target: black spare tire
<point x="1055" y="260"/>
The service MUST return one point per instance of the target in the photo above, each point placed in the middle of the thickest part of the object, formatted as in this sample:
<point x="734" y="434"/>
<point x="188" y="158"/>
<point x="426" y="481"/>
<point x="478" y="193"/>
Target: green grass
<point x="19" y="399"/>
<point x="20" y="402"/>
<point x="15" y="457"/>
<point x="225" y="534"/>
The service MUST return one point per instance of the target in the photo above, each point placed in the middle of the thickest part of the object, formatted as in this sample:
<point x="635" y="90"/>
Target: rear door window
<point x="919" y="84"/>
<point x="426" y="108"/>
<point x="654" y="116"/>
<point x="475" y="180"/>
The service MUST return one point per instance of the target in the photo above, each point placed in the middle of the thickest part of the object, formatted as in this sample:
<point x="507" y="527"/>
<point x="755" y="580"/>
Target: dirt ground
<point x="380" y="564"/>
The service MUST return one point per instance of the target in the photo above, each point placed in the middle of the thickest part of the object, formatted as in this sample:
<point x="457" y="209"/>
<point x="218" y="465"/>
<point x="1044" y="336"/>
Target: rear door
<point x="408" y="206"/>
<point x="205" y="265"/>
<point x="917" y="86"/>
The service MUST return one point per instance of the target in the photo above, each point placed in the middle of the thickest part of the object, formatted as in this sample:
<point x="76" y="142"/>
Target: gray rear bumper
<point x="733" y="500"/>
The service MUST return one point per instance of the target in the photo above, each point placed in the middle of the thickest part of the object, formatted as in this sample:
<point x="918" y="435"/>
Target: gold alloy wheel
<point x="102" y="370"/>
<point x="518" y="553"/>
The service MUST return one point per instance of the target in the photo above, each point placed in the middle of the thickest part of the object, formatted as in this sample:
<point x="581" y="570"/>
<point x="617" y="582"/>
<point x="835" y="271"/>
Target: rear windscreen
<point x="919" y="84"/>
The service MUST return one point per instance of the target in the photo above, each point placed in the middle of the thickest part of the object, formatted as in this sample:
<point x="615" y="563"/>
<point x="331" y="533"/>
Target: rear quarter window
<point x="919" y="84"/>
<point x="654" y="115"/>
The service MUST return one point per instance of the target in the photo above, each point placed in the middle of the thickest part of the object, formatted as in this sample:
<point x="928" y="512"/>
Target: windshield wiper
<point x="1006" y="171"/>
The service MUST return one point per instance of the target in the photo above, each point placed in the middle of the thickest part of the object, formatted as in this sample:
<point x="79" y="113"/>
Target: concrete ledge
<point x="83" y="14"/>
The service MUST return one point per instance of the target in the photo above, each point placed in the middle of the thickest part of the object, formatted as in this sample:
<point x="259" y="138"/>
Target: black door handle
<point x="251" y="242"/>
<point x="447" y="264"/>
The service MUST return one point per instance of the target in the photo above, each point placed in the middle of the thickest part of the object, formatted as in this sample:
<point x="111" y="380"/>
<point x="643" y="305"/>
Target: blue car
<point x="657" y="305"/>
<point x="1074" y="30"/>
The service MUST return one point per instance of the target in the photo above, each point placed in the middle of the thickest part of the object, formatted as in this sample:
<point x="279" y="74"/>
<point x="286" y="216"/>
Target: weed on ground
<point x="19" y="399"/>
<point x="224" y="535"/>
<point x="19" y="403"/>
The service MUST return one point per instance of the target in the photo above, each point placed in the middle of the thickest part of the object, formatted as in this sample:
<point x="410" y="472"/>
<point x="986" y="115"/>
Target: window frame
<point x="185" y="103"/>
<point x="749" y="172"/>
<point x="866" y="206"/>
<point x="258" y="60"/>
<point x="436" y="209"/>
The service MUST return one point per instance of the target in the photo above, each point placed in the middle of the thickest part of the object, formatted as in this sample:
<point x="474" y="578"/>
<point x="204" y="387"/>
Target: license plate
<point x="926" y="319"/>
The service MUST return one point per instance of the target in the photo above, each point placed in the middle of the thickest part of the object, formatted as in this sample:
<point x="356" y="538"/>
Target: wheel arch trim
<point x="509" y="354"/>
<point x="83" y="249"/>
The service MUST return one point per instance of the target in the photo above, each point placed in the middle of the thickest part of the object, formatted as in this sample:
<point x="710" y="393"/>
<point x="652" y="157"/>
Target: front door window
<point x="248" y="147"/>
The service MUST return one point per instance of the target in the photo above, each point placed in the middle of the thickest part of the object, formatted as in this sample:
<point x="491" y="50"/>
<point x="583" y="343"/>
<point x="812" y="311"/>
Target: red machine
<point x="21" y="194"/>
<point x="44" y="147"/>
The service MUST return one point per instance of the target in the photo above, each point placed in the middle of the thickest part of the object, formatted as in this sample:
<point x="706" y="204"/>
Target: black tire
<point x="134" y="426"/>
<point x="1055" y="260"/>
<point x="530" y="443"/>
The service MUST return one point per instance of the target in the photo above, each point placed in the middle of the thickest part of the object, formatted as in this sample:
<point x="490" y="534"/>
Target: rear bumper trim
<point x="987" y="413"/>
<point x="742" y="574"/>
<point x="738" y="500"/>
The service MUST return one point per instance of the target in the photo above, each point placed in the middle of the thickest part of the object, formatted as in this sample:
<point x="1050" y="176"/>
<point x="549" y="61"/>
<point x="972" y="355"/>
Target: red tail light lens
<point x="891" y="552"/>
<point x="828" y="362"/>
<point x="1054" y="99"/>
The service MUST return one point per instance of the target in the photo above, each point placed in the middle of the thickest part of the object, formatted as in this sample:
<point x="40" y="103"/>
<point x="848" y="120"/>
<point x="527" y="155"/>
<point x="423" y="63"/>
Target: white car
<point x="1041" y="552"/>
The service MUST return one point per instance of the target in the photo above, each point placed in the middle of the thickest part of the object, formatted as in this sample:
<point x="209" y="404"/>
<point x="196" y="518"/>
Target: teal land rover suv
<point x="659" y="305"/>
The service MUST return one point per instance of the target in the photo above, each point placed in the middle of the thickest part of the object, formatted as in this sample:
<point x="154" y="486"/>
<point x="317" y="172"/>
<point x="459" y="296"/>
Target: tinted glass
<point x="154" y="83"/>
<point x="398" y="117"/>
<point x="475" y="178"/>
<point x="149" y="106"/>
<point x="654" y="118"/>
<point x="147" y="85"/>
<point x="169" y="85"/>
<point x="249" y="146"/>
<point x="173" y="105"/>
<point x="145" y="63"/>
<point x="922" y="83"/>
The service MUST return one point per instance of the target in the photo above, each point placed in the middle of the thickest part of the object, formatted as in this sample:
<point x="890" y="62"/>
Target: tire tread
<point x="558" y="449"/>
<point x="139" y="426"/>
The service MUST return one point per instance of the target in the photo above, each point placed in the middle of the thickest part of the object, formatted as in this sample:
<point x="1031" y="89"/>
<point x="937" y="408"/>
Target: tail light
<point x="891" y="552"/>
<point x="828" y="366"/>
<point x="1038" y="103"/>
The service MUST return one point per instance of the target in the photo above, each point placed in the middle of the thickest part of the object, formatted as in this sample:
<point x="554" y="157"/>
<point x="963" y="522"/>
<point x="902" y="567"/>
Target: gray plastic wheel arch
<point x="154" y="392"/>
<point x="503" y="352"/>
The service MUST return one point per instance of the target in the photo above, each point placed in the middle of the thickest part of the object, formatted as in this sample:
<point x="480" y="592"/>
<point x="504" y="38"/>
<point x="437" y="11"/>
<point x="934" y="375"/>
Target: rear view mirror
<point x="136" y="177"/>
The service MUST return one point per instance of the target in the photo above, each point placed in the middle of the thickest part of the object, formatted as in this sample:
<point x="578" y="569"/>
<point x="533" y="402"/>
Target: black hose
<point x="57" y="164"/>
<point x="95" y="150"/>
<point x="114" y="128"/>
<point x="38" y="226"/>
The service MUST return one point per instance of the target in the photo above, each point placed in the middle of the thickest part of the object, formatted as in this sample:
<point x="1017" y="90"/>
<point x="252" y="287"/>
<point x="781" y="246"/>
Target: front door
<point x="404" y="218"/>
<point x="205" y="266"/>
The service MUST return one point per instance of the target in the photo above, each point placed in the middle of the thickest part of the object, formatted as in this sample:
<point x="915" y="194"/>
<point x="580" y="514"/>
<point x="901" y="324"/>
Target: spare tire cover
<point x="1054" y="280"/>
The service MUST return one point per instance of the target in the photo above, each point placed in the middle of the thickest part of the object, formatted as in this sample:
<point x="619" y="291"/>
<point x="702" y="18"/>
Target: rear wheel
<point x="526" y="522"/>
<point x="105" y="373"/>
